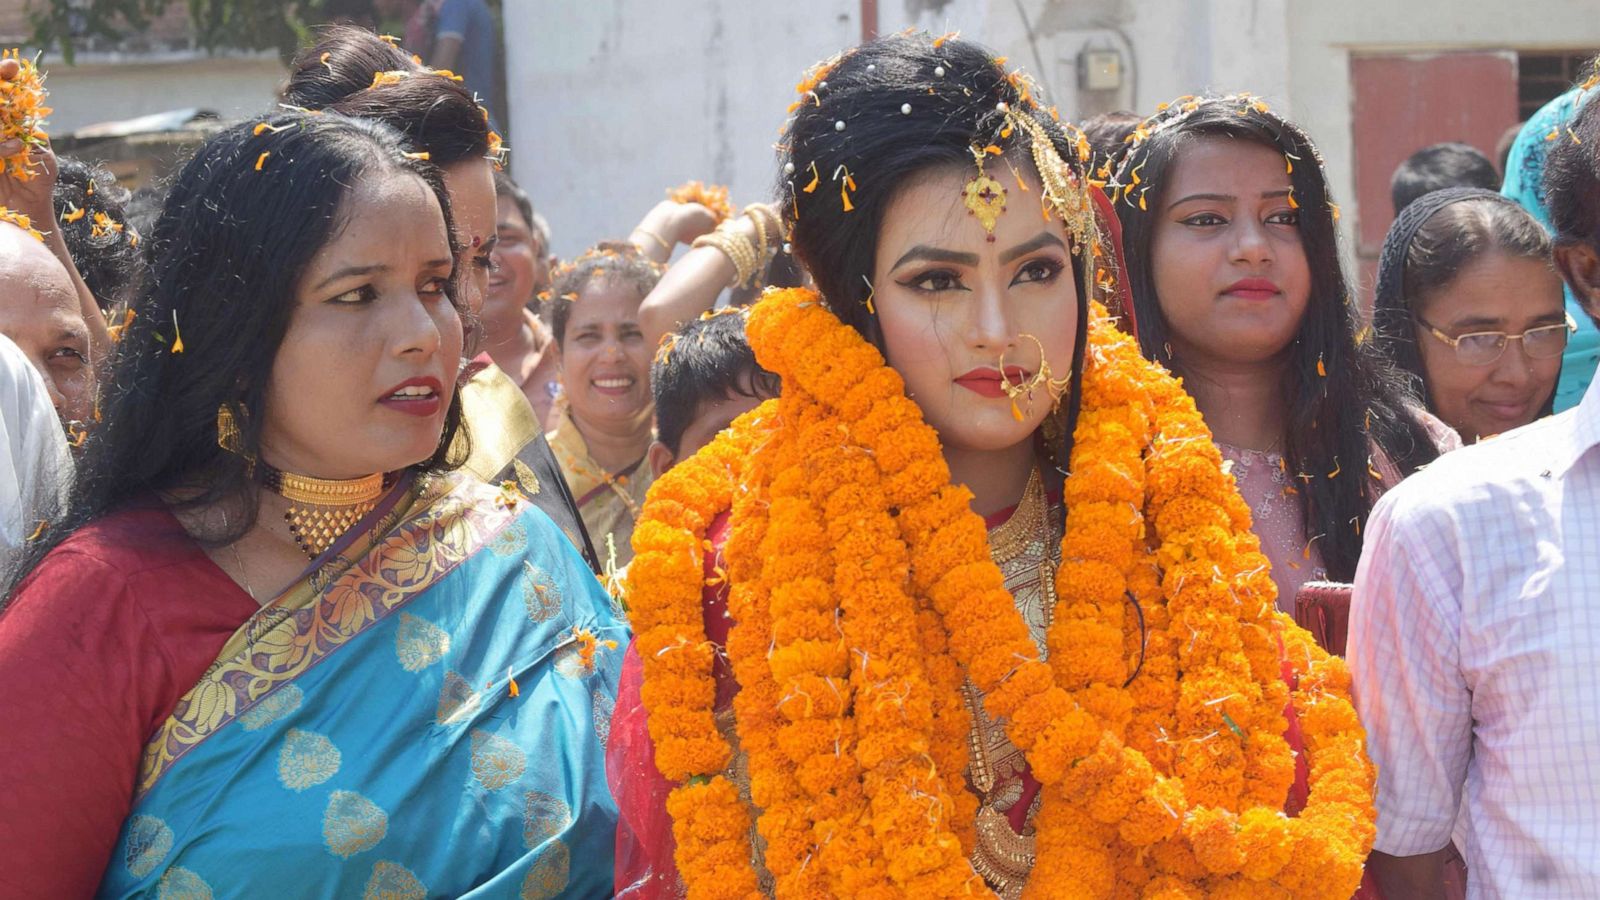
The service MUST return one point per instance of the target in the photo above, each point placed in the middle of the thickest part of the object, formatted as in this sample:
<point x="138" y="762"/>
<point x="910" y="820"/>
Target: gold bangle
<point x="766" y="214"/>
<point x="761" y="233"/>
<point x="655" y="237"/>
<point x="736" y="248"/>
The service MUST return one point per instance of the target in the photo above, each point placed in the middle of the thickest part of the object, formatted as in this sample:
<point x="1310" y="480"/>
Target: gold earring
<point x="228" y="437"/>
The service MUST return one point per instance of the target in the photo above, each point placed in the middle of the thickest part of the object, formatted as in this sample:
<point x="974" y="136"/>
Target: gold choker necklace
<point x="321" y="510"/>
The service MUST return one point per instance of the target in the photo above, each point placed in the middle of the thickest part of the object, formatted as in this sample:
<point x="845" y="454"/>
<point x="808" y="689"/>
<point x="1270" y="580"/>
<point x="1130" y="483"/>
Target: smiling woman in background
<point x="605" y="424"/>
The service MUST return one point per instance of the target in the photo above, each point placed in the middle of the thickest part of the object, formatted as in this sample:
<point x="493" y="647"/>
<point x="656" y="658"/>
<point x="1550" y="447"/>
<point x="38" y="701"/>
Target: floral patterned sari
<point x="424" y="714"/>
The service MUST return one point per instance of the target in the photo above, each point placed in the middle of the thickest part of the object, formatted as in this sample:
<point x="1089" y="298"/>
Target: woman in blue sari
<point x="280" y="646"/>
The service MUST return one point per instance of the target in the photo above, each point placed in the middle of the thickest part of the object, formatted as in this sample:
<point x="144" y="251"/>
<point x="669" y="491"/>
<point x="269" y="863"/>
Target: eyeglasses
<point x="1483" y="348"/>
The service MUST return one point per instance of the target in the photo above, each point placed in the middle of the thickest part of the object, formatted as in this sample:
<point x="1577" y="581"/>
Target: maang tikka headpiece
<point x="984" y="197"/>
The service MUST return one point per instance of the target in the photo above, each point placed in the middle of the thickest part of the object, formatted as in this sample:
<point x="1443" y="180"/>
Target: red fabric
<point x="1113" y="229"/>
<point x="1300" y="791"/>
<point x="96" y="649"/>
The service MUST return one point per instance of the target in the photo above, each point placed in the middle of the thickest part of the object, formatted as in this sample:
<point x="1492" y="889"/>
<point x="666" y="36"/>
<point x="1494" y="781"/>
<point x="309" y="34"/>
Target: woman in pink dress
<point x="1233" y="258"/>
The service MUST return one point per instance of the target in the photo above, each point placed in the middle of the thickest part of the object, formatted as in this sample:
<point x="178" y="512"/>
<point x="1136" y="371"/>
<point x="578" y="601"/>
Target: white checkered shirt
<point x="1475" y="646"/>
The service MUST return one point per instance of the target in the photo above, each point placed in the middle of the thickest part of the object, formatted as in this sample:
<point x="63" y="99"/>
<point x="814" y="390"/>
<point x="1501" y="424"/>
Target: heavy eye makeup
<point x="1289" y="217"/>
<point x="1037" y="270"/>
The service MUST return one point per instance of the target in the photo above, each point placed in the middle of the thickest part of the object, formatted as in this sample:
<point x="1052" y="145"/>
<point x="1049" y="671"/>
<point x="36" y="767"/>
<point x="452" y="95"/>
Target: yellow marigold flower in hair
<point x="22" y="112"/>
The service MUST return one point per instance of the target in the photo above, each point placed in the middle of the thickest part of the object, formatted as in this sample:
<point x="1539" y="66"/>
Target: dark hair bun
<point x="433" y="110"/>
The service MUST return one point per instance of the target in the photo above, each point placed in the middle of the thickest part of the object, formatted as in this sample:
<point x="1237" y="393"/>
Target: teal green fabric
<point x="1525" y="184"/>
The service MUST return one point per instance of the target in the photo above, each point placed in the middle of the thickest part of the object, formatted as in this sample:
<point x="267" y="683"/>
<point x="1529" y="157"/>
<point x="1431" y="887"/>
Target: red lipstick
<point x="421" y="397"/>
<point x="985" y="381"/>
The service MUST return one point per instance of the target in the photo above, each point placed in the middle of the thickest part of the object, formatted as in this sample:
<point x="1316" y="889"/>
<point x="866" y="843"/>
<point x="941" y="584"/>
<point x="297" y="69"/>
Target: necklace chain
<point x="244" y="574"/>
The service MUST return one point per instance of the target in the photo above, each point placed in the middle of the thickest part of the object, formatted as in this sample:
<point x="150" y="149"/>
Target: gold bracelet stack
<point x="736" y="247"/>
<point x="748" y="257"/>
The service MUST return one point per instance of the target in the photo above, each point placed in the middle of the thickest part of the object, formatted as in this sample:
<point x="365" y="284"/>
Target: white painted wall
<point x="107" y="90"/>
<point x="613" y="103"/>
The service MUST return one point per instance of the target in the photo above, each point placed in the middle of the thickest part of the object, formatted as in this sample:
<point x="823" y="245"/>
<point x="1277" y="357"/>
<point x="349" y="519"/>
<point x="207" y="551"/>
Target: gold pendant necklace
<point x="321" y="510"/>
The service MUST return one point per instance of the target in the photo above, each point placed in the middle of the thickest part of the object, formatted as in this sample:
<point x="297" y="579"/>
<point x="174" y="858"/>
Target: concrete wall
<point x="613" y="103"/>
<point x="1325" y="35"/>
<point x="108" y="90"/>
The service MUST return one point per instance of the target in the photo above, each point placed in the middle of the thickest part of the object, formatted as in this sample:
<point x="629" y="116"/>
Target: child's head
<point x="705" y="375"/>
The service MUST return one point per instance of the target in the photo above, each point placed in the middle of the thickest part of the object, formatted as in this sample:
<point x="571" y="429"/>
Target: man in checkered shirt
<point x="1475" y="631"/>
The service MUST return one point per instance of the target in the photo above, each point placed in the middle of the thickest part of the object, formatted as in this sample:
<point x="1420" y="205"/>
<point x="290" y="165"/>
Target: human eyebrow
<point x="1479" y="322"/>
<point x="70" y="333"/>
<point x="349" y="272"/>
<point x="1220" y="198"/>
<point x="935" y="254"/>
<point x="1038" y="242"/>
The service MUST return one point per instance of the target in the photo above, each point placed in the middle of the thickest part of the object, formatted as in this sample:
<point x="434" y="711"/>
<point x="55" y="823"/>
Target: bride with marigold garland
<point x="973" y="607"/>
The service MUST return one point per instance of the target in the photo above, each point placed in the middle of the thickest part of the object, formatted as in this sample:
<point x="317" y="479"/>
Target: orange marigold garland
<point x="22" y="112"/>
<point x="785" y="824"/>
<point x="1155" y="723"/>
<point x="810" y="661"/>
<point x="711" y="824"/>
<point x="909" y="804"/>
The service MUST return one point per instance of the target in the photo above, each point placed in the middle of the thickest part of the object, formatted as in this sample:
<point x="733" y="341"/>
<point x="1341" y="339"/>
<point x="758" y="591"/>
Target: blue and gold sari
<point x="423" y="715"/>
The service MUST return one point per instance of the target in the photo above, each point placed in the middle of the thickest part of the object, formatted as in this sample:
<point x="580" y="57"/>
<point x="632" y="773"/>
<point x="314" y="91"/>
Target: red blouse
<point x="97" y="647"/>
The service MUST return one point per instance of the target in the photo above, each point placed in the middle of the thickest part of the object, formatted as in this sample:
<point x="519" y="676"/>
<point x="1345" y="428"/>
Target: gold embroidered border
<point x="503" y="422"/>
<point x="447" y="522"/>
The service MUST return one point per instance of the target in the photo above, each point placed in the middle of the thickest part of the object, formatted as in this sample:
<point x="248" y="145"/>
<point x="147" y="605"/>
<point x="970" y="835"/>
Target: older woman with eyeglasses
<point x="1470" y="304"/>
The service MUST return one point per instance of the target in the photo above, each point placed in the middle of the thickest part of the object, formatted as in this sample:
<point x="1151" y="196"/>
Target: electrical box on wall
<point x="1099" y="70"/>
